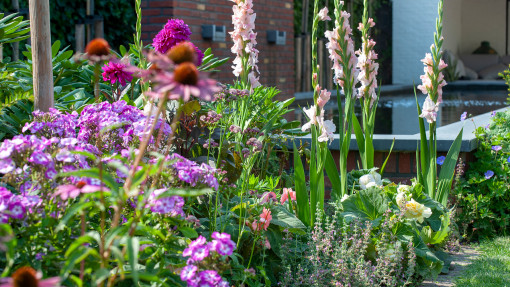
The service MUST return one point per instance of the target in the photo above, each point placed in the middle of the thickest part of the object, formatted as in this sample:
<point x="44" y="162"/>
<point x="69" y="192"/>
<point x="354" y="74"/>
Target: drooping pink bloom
<point x="323" y="98"/>
<point x="287" y="192"/>
<point x="263" y="222"/>
<point x="323" y="14"/>
<point x="341" y="51"/>
<point x="72" y="191"/>
<point x="244" y="39"/>
<point x="114" y="72"/>
<point x="429" y="110"/>
<point x="327" y="129"/>
<point x="174" y="31"/>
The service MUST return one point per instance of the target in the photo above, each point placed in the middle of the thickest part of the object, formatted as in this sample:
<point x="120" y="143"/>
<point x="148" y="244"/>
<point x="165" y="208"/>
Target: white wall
<point x="452" y="25"/>
<point x="483" y="20"/>
<point x="414" y="23"/>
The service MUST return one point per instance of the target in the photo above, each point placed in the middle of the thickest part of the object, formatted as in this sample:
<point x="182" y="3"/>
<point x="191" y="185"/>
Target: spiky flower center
<point x="186" y="74"/>
<point x="98" y="47"/>
<point x="182" y="52"/>
<point x="25" y="277"/>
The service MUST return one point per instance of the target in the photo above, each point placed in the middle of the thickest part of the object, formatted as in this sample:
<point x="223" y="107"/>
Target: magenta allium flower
<point x="115" y="72"/>
<point x="174" y="31"/>
<point x="489" y="174"/>
<point x="72" y="191"/>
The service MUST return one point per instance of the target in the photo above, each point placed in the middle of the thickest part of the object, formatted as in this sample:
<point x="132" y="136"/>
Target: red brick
<point x="391" y="164"/>
<point x="404" y="162"/>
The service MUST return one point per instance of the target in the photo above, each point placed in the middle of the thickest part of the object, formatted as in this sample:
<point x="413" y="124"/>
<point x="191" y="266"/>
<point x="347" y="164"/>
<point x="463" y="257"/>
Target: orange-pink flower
<point x="263" y="222"/>
<point x="287" y="192"/>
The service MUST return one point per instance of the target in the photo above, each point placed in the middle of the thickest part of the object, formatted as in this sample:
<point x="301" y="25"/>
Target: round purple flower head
<point x="496" y="148"/>
<point x="463" y="117"/>
<point x="489" y="174"/>
<point x="115" y="73"/>
<point x="173" y="32"/>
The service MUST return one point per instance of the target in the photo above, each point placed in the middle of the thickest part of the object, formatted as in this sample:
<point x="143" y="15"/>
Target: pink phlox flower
<point x="287" y="192"/>
<point x="323" y="14"/>
<point x="72" y="191"/>
<point x="429" y="110"/>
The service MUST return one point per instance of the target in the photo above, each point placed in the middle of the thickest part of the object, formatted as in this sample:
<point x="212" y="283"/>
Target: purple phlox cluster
<point x="113" y="127"/>
<point x="115" y="72"/>
<point x="463" y="117"/>
<point x="496" y="148"/>
<point x="198" y="250"/>
<point x="211" y="118"/>
<point x="15" y="206"/>
<point x="174" y="31"/>
<point x="440" y="160"/>
<point x="210" y="143"/>
<point x="53" y="124"/>
<point x="488" y="174"/>
<point x="171" y="205"/>
<point x="192" y="173"/>
<point x="257" y="145"/>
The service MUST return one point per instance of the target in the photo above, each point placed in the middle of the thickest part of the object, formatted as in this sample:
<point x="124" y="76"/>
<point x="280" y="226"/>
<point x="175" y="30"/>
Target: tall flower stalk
<point x="244" y="37"/>
<point x="432" y="84"/>
<point x="367" y="95"/>
<point x="341" y="51"/>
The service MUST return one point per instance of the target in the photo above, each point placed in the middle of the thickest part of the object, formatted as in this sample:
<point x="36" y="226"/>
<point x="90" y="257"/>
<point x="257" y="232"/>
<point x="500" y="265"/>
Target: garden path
<point x="460" y="261"/>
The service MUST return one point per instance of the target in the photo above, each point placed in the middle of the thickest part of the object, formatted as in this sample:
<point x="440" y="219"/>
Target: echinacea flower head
<point x="97" y="50"/>
<point x="463" y="117"/>
<point x="440" y="160"/>
<point x="72" y="191"/>
<point x="496" y="148"/>
<point x="185" y="52"/>
<point x="488" y="174"/>
<point x="28" y="277"/>
<point x="174" y="31"/>
<point x="416" y="210"/>
<point x="115" y="72"/>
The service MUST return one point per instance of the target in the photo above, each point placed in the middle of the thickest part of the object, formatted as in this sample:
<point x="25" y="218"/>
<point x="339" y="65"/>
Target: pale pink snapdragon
<point x="244" y="39"/>
<point x="367" y="66"/>
<point x="323" y="14"/>
<point x="341" y="51"/>
<point x="429" y="110"/>
<point x="428" y="79"/>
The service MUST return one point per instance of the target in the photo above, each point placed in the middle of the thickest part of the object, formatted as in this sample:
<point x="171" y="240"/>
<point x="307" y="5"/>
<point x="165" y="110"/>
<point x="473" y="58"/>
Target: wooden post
<point x="90" y="13"/>
<point x="299" y="62"/>
<point x="79" y="35"/>
<point x="15" y="45"/>
<point x="99" y="28"/>
<point x="307" y="75"/>
<point x="41" y="54"/>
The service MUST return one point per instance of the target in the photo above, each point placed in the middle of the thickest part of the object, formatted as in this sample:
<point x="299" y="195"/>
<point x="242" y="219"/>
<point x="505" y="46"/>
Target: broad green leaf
<point x="133" y="246"/>
<point x="334" y="177"/>
<point x="448" y="170"/>
<point x="369" y="204"/>
<point x="303" y="207"/>
<point x="188" y="232"/>
<point x="282" y="217"/>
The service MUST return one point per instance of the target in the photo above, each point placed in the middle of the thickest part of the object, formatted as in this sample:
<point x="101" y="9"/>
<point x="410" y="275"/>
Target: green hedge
<point x="119" y="16"/>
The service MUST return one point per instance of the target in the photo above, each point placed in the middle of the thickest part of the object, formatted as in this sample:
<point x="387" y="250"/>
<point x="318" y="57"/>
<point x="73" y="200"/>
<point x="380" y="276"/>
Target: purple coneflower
<point x="28" y="277"/>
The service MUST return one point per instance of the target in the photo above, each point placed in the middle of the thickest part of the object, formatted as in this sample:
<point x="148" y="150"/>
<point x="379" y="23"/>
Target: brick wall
<point x="276" y="63"/>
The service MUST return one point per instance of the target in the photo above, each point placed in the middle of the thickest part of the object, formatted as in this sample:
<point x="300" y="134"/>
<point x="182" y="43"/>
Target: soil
<point x="460" y="261"/>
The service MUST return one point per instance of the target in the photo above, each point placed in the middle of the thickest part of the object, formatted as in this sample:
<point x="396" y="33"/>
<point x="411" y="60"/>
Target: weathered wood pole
<point x="15" y="45"/>
<point x="41" y="54"/>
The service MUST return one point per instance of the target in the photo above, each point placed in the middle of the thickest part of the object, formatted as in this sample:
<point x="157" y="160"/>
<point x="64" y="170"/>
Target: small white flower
<point x="344" y="197"/>
<point x="402" y="188"/>
<point x="365" y="180"/>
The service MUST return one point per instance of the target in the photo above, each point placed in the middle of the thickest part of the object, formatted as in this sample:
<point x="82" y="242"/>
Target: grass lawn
<point x="492" y="268"/>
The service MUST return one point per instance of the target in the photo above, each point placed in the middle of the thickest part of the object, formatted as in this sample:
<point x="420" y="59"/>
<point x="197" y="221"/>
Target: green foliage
<point x="483" y="203"/>
<point x="13" y="29"/>
<point x="119" y="18"/>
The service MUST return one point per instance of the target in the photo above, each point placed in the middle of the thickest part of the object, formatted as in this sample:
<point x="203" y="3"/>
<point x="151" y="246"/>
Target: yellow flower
<point x="418" y="211"/>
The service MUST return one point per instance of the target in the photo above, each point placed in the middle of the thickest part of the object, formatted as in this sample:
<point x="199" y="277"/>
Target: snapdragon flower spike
<point x="367" y="63"/>
<point x="244" y="39"/>
<point x="341" y="51"/>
